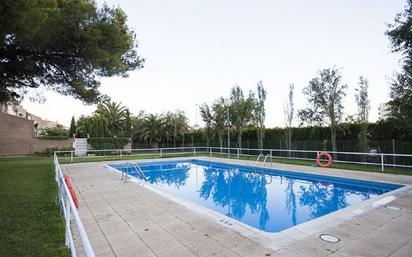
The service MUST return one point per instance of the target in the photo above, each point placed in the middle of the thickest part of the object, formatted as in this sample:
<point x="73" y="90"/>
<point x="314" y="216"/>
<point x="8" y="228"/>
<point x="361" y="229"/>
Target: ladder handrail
<point x="139" y="171"/>
<point x="257" y="160"/>
<point x="264" y="161"/>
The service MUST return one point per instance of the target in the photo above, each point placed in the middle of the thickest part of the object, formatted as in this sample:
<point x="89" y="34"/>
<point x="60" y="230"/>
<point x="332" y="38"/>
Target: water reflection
<point x="268" y="202"/>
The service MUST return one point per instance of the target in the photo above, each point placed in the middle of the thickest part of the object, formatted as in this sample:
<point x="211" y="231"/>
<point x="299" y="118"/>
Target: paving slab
<point x="127" y="219"/>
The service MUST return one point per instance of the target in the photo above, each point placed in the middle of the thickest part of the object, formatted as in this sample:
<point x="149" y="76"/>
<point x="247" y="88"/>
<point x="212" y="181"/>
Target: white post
<point x="194" y="151"/>
<point x="382" y="163"/>
<point x="271" y="158"/>
<point x="210" y="151"/>
<point x="121" y="156"/>
<point x="67" y="219"/>
<point x="71" y="156"/>
<point x="161" y="152"/>
<point x="238" y="153"/>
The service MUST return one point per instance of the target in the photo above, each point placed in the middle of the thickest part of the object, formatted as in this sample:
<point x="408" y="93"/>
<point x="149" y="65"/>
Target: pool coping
<point x="275" y="240"/>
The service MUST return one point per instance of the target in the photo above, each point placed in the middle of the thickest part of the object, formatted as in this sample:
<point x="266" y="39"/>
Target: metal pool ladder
<point x="264" y="160"/>
<point x="135" y="165"/>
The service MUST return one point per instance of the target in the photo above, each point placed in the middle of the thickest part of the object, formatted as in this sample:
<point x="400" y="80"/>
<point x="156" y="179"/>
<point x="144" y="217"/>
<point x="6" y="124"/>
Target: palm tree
<point x="115" y="115"/>
<point x="153" y="129"/>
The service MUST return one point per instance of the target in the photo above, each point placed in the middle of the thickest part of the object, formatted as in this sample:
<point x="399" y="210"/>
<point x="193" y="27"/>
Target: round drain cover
<point x="329" y="238"/>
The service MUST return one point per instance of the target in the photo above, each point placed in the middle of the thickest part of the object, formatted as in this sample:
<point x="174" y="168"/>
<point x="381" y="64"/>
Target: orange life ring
<point x="69" y="184"/>
<point x="321" y="164"/>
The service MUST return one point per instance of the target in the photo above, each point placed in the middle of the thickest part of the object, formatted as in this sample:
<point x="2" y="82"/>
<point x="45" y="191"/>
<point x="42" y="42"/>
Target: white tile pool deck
<point x="127" y="219"/>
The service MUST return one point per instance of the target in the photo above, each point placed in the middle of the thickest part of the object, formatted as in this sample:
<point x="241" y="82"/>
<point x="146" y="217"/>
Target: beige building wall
<point x="16" y="137"/>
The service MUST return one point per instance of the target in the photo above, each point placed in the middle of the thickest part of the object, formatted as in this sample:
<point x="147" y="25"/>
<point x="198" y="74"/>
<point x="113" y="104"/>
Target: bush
<point x="50" y="151"/>
<point x="100" y="143"/>
<point x="53" y="137"/>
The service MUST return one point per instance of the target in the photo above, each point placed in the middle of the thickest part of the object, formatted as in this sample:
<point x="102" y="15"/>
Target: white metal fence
<point x="71" y="216"/>
<point x="380" y="160"/>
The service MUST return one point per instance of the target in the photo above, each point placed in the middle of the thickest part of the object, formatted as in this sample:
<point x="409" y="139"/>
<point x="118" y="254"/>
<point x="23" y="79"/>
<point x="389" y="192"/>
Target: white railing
<point x="376" y="159"/>
<point x="70" y="214"/>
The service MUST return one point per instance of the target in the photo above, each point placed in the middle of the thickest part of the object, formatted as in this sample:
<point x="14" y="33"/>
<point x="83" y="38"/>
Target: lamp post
<point x="227" y="104"/>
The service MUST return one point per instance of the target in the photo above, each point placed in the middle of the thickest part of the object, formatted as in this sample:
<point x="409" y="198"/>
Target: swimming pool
<point x="267" y="199"/>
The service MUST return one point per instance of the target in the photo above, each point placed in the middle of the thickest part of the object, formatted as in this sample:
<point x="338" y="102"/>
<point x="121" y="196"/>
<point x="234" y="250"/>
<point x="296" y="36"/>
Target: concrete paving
<point x="127" y="219"/>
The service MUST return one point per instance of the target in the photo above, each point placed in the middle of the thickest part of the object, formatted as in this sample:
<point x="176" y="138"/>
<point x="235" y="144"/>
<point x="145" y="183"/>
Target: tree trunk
<point x="333" y="139"/>
<point x="221" y="140"/>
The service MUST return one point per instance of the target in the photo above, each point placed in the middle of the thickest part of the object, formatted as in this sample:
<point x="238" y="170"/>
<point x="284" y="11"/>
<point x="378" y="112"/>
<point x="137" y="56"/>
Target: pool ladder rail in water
<point x="136" y="166"/>
<point x="264" y="165"/>
<point x="264" y="160"/>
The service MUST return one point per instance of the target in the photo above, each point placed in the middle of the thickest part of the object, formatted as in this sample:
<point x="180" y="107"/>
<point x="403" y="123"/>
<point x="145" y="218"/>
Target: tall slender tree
<point x="324" y="95"/>
<point x="241" y="111"/>
<point x="260" y="113"/>
<point x="289" y="111"/>
<point x="207" y="118"/>
<point x="72" y="130"/>
<point x="219" y="118"/>
<point x="362" y="101"/>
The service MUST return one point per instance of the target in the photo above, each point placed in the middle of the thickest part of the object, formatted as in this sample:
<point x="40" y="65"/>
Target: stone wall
<point x="16" y="137"/>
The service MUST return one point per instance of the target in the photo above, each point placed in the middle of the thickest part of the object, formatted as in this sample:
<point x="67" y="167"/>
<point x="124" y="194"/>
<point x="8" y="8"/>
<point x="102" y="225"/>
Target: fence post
<point x="67" y="207"/>
<point x="238" y="153"/>
<point x="121" y="155"/>
<point x="271" y="158"/>
<point x="382" y="163"/>
<point x="210" y="151"/>
<point x="194" y="151"/>
<point x="161" y="152"/>
<point x="71" y="156"/>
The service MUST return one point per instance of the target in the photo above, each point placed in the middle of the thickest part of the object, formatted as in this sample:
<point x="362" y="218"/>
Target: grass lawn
<point x="30" y="221"/>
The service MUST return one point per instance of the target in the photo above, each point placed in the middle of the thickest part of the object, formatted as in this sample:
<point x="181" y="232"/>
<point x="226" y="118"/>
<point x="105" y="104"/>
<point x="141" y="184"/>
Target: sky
<point x="196" y="51"/>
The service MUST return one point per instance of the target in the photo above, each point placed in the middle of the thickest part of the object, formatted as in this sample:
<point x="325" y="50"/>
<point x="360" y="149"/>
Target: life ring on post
<point x="69" y="184"/>
<point x="321" y="164"/>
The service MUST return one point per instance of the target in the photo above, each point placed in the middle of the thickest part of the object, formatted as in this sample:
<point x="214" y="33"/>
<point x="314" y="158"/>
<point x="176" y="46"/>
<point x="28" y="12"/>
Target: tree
<point x="289" y="110"/>
<point x="241" y="111"/>
<point x="64" y="46"/>
<point x="115" y="115"/>
<point x="324" y="95"/>
<point x="153" y="130"/>
<point x="362" y="101"/>
<point x="259" y="113"/>
<point x="400" y="35"/>
<point x="176" y="125"/>
<point x="219" y="119"/>
<point x="207" y="118"/>
<point x="72" y="130"/>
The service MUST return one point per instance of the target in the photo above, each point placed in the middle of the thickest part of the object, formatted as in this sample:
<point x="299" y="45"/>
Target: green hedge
<point x="99" y="143"/>
<point x="53" y="137"/>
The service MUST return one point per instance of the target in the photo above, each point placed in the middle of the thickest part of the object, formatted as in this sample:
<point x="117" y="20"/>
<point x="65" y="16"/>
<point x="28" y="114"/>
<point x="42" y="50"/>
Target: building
<point x="19" y="111"/>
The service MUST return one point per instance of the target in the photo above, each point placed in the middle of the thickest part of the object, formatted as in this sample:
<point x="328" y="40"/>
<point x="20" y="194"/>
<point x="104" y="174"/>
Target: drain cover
<point x="329" y="238"/>
<point x="393" y="208"/>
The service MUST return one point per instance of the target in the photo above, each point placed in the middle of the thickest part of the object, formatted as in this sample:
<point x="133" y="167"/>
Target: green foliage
<point x="50" y="151"/>
<point x="400" y="35"/>
<point x="324" y="95"/>
<point x="116" y="117"/>
<point x="58" y="131"/>
<point x="53" y="137"/>
<point x="65" y="45"/>
<point x="362" y="101"/>
<point x="72" y="130"/>
<point x="260" y="113"/>
<point x="99" y="143"/>
<point x="153" y="130"/>
<point x="241" y="111"/>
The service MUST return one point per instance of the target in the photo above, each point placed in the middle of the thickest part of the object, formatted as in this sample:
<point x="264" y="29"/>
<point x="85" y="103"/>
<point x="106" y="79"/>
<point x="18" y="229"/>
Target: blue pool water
<point x="270" y="200"/>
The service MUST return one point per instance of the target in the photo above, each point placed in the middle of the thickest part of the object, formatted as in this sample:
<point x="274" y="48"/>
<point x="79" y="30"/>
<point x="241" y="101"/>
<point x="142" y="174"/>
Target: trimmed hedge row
<point x="99" y="143"/>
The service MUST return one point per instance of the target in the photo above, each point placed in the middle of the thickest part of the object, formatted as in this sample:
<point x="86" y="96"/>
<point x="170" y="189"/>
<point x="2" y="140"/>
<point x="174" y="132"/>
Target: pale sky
<point x="197" y="50"/>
